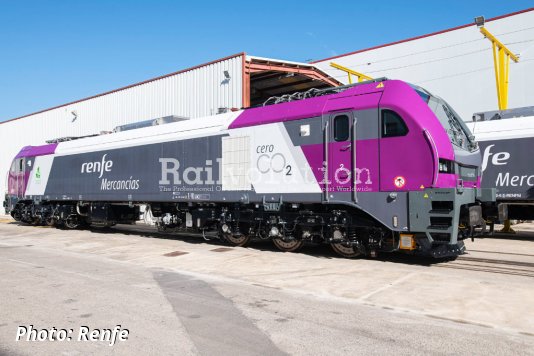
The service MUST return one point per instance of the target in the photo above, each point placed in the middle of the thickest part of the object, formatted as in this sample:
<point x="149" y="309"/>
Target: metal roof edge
<point x="249" y="57"/>
<point x="422" y="36"/>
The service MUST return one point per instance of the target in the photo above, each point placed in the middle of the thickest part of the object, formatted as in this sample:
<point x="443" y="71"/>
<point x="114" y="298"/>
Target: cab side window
<point x="341" y="128"/>
<point x="20" y="167"/>
<point x="392" y="124"/>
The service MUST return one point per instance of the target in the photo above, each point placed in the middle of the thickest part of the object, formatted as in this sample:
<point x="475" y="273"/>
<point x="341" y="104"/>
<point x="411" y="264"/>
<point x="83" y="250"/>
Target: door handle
<point x="346" y="147"/>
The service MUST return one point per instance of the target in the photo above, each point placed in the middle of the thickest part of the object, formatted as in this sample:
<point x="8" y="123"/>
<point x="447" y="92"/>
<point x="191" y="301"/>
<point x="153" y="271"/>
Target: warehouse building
<point x="456" y="64"/>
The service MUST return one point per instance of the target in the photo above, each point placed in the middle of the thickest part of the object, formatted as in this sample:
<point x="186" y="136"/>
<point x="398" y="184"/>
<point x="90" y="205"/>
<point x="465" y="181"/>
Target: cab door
<point x="351" y="163"/>
<point x="20" y="176"/>
<point x="341" y="155"/>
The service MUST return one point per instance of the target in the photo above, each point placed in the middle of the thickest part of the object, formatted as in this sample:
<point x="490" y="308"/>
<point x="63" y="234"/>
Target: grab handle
<point x="435" y="155"/>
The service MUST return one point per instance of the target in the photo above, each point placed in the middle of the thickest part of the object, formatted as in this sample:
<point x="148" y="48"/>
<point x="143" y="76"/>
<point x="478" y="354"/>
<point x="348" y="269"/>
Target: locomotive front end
<point x="447" y="211"/>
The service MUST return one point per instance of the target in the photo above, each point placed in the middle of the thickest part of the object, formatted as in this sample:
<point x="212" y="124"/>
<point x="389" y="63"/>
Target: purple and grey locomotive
<point x="376" y="167"/>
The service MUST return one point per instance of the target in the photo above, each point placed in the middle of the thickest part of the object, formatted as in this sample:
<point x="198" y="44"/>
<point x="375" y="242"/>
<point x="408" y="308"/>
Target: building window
<point x="341" y="128"/>
<point x="392" y="124"/>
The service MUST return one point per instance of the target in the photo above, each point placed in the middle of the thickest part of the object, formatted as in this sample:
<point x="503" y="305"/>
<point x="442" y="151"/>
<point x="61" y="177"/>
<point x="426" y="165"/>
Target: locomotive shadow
<point x="320" y="251"/>
<point x="149" y="232"/>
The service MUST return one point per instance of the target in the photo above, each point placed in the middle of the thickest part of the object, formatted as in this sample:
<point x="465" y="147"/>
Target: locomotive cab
<point x="450" y="210"/>
<point x="16" y="182"/>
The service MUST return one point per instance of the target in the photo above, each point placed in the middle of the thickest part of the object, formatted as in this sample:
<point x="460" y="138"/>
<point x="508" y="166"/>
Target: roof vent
<point x="152" y="122"/>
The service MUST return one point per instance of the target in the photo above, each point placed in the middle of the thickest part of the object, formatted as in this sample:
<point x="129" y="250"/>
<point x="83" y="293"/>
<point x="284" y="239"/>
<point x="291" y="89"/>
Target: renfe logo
<point x="498" y="159"/>
<point x="98" y="167"/>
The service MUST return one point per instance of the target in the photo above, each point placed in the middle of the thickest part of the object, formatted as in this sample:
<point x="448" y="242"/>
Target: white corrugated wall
<point x="194" y="93"/>
<point x="456" y="65"/>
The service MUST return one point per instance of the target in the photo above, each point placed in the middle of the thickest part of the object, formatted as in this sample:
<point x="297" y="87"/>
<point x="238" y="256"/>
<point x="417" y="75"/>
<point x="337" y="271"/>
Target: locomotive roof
<point x="199" y="127"/>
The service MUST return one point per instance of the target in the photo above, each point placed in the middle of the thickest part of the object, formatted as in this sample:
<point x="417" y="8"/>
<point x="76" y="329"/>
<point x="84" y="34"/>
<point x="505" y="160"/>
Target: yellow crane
<point x="501" y="62"/>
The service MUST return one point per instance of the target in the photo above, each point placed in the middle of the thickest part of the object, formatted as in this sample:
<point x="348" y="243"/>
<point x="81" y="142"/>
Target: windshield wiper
<point x="459" y="135"/>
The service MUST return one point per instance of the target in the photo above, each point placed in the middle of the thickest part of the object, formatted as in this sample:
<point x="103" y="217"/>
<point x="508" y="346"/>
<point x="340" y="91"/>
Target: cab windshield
<point x="458" y="132"/>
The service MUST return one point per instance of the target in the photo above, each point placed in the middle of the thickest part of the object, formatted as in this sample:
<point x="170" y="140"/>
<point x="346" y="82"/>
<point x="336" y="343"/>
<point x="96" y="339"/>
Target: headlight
<point x="446" y="166"/>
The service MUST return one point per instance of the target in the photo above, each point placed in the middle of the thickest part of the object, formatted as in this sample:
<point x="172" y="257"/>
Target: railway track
<point x="491" y="265"/>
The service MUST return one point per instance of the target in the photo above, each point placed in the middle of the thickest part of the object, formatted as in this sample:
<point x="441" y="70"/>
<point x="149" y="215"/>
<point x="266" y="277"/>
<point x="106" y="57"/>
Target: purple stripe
<point x="33" y="151"/>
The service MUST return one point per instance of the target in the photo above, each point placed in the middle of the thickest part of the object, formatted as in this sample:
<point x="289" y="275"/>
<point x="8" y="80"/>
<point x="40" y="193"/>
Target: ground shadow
<point x="321" y="251"/>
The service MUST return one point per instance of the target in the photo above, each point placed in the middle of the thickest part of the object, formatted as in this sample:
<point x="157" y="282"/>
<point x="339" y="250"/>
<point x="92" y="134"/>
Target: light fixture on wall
<point x="480" y="21"/>
<point x="226" y="75"/>
<point x="75" y="114"/>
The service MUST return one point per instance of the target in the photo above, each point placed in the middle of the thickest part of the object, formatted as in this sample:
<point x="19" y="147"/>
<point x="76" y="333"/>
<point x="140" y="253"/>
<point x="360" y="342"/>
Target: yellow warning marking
<point x="425" y="196"/>
<point x="422" y="187"/>
<point x="380" y="85"/>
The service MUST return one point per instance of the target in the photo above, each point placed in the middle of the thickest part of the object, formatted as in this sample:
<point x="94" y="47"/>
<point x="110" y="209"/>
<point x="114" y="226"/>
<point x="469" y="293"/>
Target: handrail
<point x="325" y="163"/>
<point x="435" y="155"/>
<point x="354" y="168"/>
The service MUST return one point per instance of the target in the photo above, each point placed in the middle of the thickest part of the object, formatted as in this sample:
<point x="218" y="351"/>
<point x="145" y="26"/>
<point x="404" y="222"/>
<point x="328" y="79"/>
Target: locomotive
<point x="506" y="138"/>
<point x="379" y="166"/>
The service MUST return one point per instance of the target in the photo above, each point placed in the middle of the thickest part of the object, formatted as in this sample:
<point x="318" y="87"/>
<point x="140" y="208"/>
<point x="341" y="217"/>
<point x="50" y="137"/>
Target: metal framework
<point x="361" y="77"/>
<point x="501" y="61"/>
<point x="254" y="65"/>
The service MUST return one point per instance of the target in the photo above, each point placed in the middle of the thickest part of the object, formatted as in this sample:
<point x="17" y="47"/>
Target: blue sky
<point x="53" y="52"/>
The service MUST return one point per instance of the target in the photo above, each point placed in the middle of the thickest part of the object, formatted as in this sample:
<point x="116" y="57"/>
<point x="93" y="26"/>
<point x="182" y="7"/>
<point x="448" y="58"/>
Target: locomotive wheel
<point x="288" y="246"/>
<point x="238" y="239"/>
<point x="345" y="251"/>
<point x="50" y="221"/>
<point x="72" y="222"/>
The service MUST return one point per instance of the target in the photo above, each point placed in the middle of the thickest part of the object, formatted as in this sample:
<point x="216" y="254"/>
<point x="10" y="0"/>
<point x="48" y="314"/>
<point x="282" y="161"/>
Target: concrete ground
<point x="185" y="296"/>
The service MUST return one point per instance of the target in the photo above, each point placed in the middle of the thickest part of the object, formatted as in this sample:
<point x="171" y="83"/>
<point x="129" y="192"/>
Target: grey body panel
<point x="380" y="206"/>
<point x="139" y="171"/>
<point x="422" y="210"/>
<point x="513" y="175"/>
<point x="367" y="127"/>
<point x="467" y="158"/>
